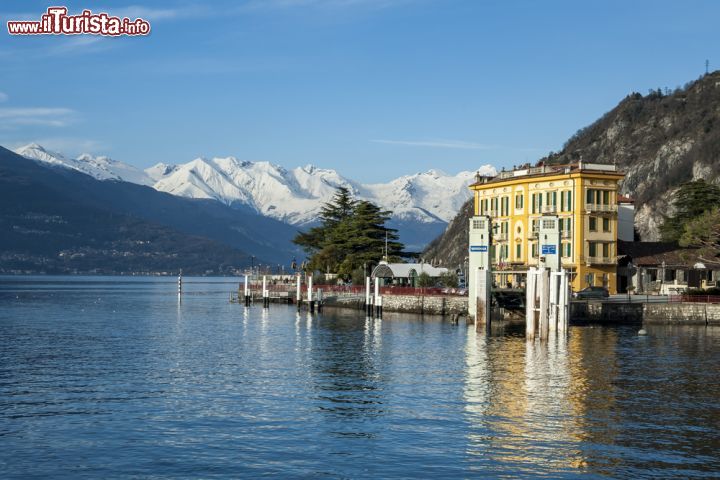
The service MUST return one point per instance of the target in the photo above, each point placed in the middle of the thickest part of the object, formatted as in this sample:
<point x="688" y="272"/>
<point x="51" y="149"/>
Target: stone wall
<point x="580" y="312"/>
<point x="650" y="313"/>
<point x="682" y="313"/>
<point x="429" y="305"/>
<point x="432" y="305"/>
<point x="607" y="313"/>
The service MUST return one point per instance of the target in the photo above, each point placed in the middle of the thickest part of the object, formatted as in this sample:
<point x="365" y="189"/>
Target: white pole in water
<point x="368" y="306"/>
<point x="298" y="293"/>
<point x="246" y="292"/>
<point x="554" y="300"/>
<point x="310" y="294"/>
<point x="264" y="292"/>
<point x="377" y="294"/>
<point x="544" y="292"/>
<point x="563" y="310"/>
<point x="180" y="283"/>
<point x="530" y="302"/>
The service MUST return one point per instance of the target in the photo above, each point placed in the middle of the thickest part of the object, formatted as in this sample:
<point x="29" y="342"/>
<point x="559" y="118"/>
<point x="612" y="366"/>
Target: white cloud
<point x="36" y="116"/>
<point x="456" y="144"/>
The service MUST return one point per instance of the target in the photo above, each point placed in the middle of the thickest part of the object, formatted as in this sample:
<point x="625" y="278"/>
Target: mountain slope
<point x="101" y="168"/>
<point x="224" y="229"/>
<point x="296" y="196"/>
<point x="422" y="204"/>
<point x="659" y="141"/>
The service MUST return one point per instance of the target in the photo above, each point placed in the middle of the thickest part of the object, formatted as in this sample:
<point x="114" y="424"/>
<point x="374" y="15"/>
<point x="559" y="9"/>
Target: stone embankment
<point x="421" y="304"/>
<point x="649" y="313"/>
<point x="580" y="312"/>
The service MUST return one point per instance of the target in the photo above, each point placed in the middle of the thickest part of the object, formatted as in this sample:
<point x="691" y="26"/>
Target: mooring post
<point x="483" y="296"/>
<point x="298" y="292"/>
<point x="530" y="302"/>
<point x="319" y="299"/>
<point x="246" y="291"/>
<point x="554" y="300"/>
<point x="180" y="284"/>
<point x="375" y="298"/>
<point x="543" y="291"/>
<point x="310" y="295"/>
<point x="368" y="305"/>
<point x="266" y="300"/>
<point x="563" y="310"/>
<point x="380" y="306"/>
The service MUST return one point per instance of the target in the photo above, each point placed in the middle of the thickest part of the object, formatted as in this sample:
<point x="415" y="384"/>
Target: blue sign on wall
<point x="478" y="248"/>
<point x="549" y="249"/>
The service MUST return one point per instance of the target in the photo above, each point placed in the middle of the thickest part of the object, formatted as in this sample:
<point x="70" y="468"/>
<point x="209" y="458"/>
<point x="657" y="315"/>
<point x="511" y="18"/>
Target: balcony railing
<point x="549" y="208"/>
<point x="611" y="260"/>
<point x="600" y="208"/>
<point x="534" y="233"/>
<point x="566" y="234"/>
<point x="494" y="213"/>
<point x="500" y="237"/>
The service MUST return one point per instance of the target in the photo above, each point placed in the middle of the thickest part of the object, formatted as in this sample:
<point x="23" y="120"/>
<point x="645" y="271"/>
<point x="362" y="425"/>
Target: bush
<point x="449" y="280"/>
<point x="425" y="280"/>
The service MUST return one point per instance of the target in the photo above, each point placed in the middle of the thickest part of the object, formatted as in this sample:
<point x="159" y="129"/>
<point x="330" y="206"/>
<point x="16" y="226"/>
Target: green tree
<point x="425" y="280"/>
<point x="449" y="279"/>
<point x="351" y="235"/>
<point x="703" y="233"/>
<point x="691" y="201"/>
<point x="336" y="211"/>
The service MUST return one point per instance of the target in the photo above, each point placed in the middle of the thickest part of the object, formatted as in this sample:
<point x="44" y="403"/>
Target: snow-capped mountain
<point x="102" y="168"/>
<point x="296" y="196"/>
<point x="422" y="203"/>
<point x="293" y="196"/>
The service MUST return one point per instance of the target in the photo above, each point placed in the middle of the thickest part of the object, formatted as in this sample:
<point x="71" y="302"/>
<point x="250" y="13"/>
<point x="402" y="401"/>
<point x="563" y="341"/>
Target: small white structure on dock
<point x="479" y="271"/>
<point x="404" y="274"/>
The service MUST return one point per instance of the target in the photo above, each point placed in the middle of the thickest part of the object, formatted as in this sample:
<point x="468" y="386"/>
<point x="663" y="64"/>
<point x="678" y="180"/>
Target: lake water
<point x="112" y="377"/>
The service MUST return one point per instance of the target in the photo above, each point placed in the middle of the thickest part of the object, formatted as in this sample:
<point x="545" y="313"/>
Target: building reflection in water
<point x="527" y="402"/>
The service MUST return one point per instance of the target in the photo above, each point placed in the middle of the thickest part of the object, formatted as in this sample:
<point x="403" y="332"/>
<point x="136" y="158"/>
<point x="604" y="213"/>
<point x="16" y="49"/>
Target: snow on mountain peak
<point x="294" y="196"/>
<point x="101" y="167"/>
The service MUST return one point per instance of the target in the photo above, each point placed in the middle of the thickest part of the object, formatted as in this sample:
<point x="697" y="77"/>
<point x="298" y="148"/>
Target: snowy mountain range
<point x="294" y="196"/>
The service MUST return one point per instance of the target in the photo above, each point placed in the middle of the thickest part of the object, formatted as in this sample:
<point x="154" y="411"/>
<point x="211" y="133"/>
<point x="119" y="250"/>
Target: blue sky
<point x="372" y="88"/>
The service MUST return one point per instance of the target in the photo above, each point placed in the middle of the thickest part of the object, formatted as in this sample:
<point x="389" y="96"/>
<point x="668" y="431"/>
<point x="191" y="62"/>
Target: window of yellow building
<point x="537" y="203"/>
<point x="593" y="224"/>
<point x="566" y="201"/>
<point x="518" y="251"/>
<point x="519" y="200"/>
<point x="606" y="224"/>
<point x="504" y="206"/>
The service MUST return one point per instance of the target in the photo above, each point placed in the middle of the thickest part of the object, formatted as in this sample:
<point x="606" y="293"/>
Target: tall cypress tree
<point x="352" y="234"/>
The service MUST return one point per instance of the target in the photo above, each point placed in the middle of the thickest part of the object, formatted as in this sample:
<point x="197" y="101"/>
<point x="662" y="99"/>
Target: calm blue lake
<point x="106" y="377"/>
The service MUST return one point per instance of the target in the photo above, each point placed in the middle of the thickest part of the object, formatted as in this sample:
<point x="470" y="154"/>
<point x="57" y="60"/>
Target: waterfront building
<point x="663" y="268"/>
<point x="405" y="274"/>
<point x="584" y="198"/>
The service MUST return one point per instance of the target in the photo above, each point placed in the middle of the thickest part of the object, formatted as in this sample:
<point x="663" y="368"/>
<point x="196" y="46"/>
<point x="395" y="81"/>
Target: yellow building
<point x="584" y="198"/>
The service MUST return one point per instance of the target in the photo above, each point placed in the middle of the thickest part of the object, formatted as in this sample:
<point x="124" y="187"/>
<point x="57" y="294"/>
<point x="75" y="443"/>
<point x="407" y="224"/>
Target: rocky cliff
<point x="659" y="140"/>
